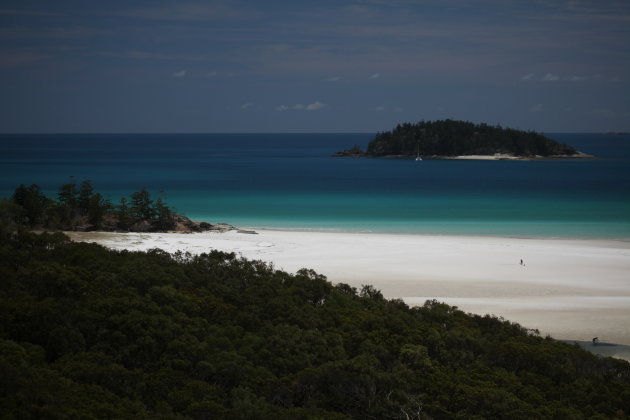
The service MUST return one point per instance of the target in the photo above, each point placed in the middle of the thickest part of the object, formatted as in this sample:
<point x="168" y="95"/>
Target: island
<point x="451" y="139"/>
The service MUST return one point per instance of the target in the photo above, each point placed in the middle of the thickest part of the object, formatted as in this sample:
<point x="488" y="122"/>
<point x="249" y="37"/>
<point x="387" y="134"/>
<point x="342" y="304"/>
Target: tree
<point x="123" y="214"/>
<point x="163" y="214"/>
<point x="68" y="194"/>
<point x="141" y="205"/>
<point x="11" y="216"/>
<point x="33" y="203"/>
<point x="85" y="193"/>
<point x="96" y="209"/>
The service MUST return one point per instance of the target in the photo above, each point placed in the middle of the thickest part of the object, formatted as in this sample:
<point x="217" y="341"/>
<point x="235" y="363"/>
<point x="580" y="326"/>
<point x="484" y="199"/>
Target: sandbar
<point x="569" y="289"/>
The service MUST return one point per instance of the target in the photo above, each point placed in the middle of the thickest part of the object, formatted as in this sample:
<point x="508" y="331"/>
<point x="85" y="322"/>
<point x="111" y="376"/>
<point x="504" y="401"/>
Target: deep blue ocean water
<point x="290" y="181"/>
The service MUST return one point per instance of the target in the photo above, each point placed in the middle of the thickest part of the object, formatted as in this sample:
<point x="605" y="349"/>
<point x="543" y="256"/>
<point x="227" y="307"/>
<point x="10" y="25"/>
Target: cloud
<point x="550" y="77"/>
<point x="317" y="105"/>
<point x="536" y="108"/>
<point x="246" y="106"/>
<point x="314" y="106"/>
<point x="528" y="76"/>
<point x="180" y="73"/>
<point x="578" y="78"/>
<point x="375" y="76"/>
<point x="379" y="108"/>
<point x="332" y="79"/>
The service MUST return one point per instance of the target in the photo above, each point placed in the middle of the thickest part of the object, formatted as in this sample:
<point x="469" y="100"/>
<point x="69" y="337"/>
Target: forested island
<point x="93" y="333"/>
<point x="79" y="207"/>
<point x="449" y="139"/>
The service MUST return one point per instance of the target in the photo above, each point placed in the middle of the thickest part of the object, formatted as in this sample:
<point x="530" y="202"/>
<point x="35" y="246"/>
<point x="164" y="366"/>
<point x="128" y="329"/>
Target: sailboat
<point x="418" y="155"/>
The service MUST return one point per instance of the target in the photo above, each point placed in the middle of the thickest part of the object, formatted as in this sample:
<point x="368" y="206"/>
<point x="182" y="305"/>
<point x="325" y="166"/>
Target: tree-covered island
<point x="450" y="139"/>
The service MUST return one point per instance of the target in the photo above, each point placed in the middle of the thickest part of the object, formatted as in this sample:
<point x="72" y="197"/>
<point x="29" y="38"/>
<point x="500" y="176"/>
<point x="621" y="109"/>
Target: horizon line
<point x="612" y="132"/>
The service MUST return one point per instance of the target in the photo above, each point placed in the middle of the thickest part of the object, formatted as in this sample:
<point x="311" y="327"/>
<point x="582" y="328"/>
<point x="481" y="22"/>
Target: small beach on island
<point x="569" y="288"/>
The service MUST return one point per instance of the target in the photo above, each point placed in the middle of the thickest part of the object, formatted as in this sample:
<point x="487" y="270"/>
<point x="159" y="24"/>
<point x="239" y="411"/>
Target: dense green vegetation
<point x="88" y="333"/>
<point x="79" y="207"/>
<point x="456" y="138"/>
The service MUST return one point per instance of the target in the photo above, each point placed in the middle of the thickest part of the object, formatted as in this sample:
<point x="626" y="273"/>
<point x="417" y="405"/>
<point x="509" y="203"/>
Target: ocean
<point x="291" y="181"/>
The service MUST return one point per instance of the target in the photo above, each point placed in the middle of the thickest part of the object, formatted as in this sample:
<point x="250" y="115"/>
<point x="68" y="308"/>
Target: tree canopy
<point x="446" y="138"/>
<point x="79" y="207"/>
<point x="90" y="333"/>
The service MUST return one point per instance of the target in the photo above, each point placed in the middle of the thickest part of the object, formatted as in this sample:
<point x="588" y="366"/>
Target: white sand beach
<point x="571" y="289"/>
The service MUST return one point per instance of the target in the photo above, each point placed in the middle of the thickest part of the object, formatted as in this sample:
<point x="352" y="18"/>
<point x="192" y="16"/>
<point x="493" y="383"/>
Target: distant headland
<point x="80" y="208"/>
<point x="450" y="139"/>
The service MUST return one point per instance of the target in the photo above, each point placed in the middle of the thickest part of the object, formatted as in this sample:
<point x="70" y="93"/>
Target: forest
<point x="92" y="333"/>
<point x="447" y="138"/>
<point x="80" y="207"/>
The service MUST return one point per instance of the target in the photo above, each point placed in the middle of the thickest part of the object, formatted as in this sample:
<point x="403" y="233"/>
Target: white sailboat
<point x="418" y="155"/>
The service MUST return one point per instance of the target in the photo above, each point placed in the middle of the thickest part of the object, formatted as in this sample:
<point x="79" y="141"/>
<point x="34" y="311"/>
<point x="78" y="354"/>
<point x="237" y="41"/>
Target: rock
<point x="354" y="152"/>
<point x="141" y="226"/>
<point x="205" y="226"/>
<point x="248" y="232"/>
<point x="222" y="227"/>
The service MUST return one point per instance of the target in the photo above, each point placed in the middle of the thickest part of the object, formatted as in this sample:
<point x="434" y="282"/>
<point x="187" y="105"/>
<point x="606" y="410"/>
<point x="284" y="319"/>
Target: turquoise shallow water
<point x="290" y="181"/>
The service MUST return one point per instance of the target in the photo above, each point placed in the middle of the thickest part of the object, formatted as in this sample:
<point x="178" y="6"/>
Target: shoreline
<point x="622" y="239"/>
<point x="572" y="289"/>
<point x="496" y="156"/>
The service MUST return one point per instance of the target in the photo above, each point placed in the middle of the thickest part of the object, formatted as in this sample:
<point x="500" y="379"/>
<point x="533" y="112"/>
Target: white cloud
<point x="375" y="76"/>
<point x="528" y="76"/>
<point x="314" y="106"/>
<point x="246" y="106"/>
<point x="380" y="108"/>
<point x="301" y="107"/>
<point x="332" y="79"/>
<point x="578" y="78"/>
<point x="550" y="77"/>
<point x="536" y="108"/>
<point x="180" y="73"/>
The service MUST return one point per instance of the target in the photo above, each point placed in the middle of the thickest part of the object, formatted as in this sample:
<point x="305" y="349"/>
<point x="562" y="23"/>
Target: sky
<point x="163" y="66"/>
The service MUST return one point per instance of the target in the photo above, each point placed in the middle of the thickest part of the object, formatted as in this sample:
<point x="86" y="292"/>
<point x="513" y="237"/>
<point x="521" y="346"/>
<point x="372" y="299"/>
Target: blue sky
<point x="314" y="66"/>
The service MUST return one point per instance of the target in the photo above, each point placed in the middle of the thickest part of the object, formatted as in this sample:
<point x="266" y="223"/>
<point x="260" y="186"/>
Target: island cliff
<point x="447" y="139"/>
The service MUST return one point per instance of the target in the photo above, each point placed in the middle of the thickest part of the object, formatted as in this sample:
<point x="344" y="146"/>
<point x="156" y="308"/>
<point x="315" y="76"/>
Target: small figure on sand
<point x="595" y="341"/>
<point x="522" y="263"/>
